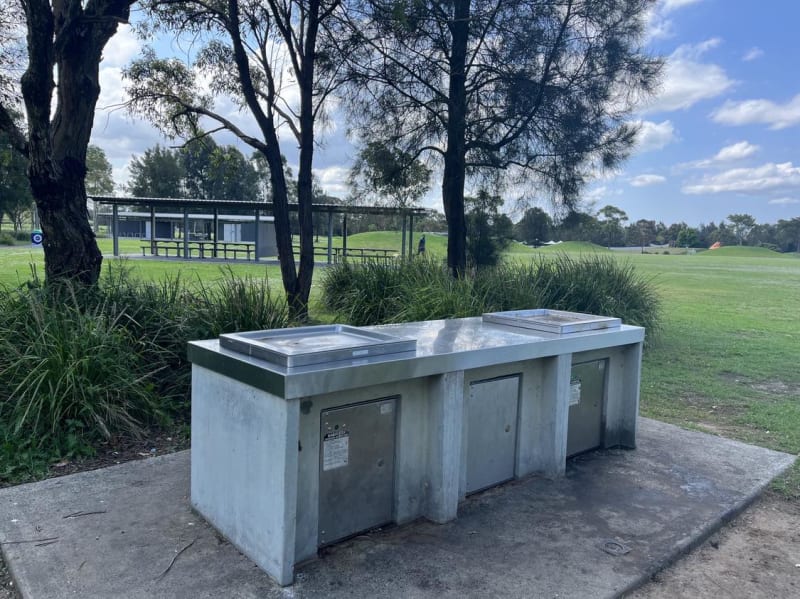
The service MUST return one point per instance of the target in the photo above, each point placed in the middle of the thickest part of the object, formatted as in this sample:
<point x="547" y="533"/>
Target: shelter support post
<point x="152" y="229"/>
<point x="255" y="237"/>
<point x="186" y="255"/>
<point x="216" y="230"/>
<point x="115" y="228"/>
<point x="330" y="236"/>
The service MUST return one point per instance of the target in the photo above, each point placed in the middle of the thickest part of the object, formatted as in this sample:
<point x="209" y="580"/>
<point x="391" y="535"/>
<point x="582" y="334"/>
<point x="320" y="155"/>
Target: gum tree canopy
<point x="263" y="56"/>
<point x="530" y="91"/>
<point x="59" y="89"/>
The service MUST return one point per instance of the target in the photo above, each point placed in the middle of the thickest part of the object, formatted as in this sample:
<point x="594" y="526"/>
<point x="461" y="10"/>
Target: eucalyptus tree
<point x="99" y="173"/>
<point x="158" y="173"/>
<point x="59" y="88"/>
<point x="532" y="91"/>
<point x="742" y="225"/>
<point x="789" y="233"/>
<point x="263" y="56"/>
<point x="388" y="176"/>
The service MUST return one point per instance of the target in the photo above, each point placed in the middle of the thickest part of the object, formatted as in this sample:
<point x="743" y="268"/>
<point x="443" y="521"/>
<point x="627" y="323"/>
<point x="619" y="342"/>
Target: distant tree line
<point x="611" y="227"/>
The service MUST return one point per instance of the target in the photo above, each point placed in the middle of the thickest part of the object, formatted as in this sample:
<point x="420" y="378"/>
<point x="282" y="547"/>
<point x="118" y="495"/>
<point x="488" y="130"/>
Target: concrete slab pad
<point x="617" y="517"/>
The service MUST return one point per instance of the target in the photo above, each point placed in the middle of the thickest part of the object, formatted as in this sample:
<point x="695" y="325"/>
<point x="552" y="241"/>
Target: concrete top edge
<point x="442" y="346"/>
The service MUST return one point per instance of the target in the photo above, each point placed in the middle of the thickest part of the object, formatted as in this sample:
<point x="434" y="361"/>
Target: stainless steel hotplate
<point x="315" y="345"/>
<point x="552" y="321"/>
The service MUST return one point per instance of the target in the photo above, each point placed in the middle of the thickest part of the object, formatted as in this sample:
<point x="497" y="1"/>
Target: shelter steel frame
<point x="257" y="208"/>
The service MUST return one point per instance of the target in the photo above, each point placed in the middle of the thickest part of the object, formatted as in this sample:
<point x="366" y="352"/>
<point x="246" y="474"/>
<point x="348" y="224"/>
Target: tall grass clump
<point x="593" y="283"/>
<point x="79" y="365"/>
<point x="422" y="289"/>
<point x="67" y="371"/>
<point x="401" y="291"/>
<point x="238" y="304"/>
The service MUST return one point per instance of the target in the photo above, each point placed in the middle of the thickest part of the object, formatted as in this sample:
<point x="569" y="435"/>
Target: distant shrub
<point x="423" y="290"/>
<point x="22" y="235"/>
<point x="6" y="238"/>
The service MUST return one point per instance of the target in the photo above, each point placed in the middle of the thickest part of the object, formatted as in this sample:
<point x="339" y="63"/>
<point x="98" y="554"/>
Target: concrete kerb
<point x="702" y="534"/>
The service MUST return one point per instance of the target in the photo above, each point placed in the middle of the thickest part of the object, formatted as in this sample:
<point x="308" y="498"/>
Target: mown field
<point x="726" y="361"/>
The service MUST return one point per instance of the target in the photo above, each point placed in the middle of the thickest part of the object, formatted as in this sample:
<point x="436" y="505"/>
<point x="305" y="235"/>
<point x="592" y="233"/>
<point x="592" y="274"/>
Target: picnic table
<point x="200" y="249"/>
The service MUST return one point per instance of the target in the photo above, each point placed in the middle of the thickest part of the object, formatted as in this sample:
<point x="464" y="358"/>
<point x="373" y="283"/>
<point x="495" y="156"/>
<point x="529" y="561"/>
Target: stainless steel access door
<point x="356" y="468"/>
<point x="587" y="398"/>
<point x="491" y="432"/>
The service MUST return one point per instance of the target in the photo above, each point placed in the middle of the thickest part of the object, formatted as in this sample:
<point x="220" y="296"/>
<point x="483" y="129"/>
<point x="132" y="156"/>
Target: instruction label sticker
<point x="575" y="393"/>
<point x="335" y="450"/>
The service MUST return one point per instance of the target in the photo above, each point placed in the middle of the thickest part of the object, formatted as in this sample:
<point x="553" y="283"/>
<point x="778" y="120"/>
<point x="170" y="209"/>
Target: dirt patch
<point x="124" y="449"/>
<point x="777" y="388"/>
<point x="756" y="555"/>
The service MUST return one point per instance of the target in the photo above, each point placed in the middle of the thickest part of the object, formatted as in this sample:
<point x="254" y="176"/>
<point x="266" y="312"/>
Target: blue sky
<point x="719" y="138"/>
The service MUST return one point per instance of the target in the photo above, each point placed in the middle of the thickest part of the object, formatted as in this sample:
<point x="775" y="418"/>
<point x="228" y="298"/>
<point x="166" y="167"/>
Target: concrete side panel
<point x="622" y="405"/>
<point x="244" y="474"/>
<point x="550" y="417"/>
<point x="445" y="443"/>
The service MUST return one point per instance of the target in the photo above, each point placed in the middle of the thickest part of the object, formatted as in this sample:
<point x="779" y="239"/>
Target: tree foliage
<point x="200" y="169"/>
<point x="534" y="227"/>
<point x="15" y="190"/>
<point x="521" y="90"/>
<point x="742" y="225"/>
<point x="263" y="55"/>
<point x="488" y="230"/>
<point x="388" y="176"/>
<point x="99" y="173"/>
<point x="158" y="173"/>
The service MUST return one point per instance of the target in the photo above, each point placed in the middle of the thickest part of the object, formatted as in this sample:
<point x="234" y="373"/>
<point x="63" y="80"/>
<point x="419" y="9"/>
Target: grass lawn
<point x="725" y="363"/>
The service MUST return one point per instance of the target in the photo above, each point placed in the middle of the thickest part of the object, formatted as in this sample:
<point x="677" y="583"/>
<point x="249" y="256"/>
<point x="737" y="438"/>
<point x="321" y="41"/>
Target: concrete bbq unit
<point x="303" y="437"/>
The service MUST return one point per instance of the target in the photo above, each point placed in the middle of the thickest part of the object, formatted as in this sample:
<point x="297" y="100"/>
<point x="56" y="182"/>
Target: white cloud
<point x="654" y="136"/>
<point x="659" y="25"/>
<point x="752" y="54"/>
<point x="333" y="180"/>
<point x="595" y="194"/>
<point x="765" y="178"/>
<point x="784" y="201"/>
<point x="737" y="151"/>
<point x="670" y="5"/>
<point x="647" y="180"/>
<point x="121" y="48"/>
<point x="759" y="112"/>
<point x="688" y="81"/>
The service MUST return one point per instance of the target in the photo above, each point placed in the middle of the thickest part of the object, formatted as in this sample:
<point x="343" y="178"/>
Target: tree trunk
<point x="305" y="187"/>
<point x="70" y="247"/>
<point x="63" y="39"/>
<point x="283" y="227"/>
<point x="455" y="152"/>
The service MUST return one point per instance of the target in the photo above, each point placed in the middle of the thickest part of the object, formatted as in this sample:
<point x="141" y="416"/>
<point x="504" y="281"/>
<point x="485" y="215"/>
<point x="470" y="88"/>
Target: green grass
<point x="573" y="247"/>
<point x="747" y="252"/>
<point x="726" y="360"/>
